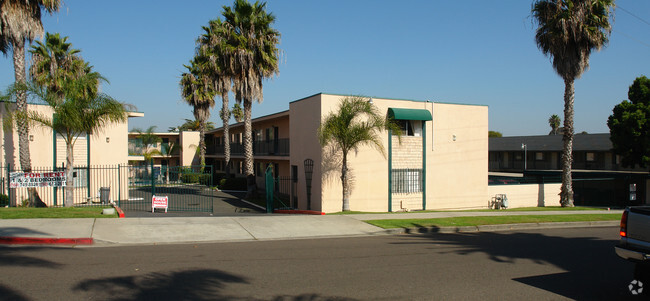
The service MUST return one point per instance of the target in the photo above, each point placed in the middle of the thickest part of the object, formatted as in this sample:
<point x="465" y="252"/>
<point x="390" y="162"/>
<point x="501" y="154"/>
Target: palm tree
<point x="149" y="141"/>
<point x="20" y="21"/>
<point x="554" y="122"/>
<point x="193" y="125"/>
<point x="54" y="62"/>
<point x="77" y="114"/>
<point x="357" y="123"/>
<point x="198" y="91"/>
<point x="568" y="31"/>
<point x="250" y="56"/>
<point x="211" y="44"/>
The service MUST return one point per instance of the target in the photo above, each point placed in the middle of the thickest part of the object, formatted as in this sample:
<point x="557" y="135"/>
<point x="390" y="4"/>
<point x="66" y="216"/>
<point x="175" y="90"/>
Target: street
<point x="558" y="264"/>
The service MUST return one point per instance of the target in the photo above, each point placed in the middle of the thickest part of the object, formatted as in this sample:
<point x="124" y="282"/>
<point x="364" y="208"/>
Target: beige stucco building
<point x="441" y="162"/>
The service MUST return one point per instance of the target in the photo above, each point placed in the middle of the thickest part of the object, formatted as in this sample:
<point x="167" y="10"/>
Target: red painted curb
<point x="120" y="213"/>
<point x="45" y="241"/>
<point x="299" y="212"/>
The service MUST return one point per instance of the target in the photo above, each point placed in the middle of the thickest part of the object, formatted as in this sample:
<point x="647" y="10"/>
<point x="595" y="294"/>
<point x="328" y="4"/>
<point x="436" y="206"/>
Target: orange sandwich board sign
<point x="159" y="202"/>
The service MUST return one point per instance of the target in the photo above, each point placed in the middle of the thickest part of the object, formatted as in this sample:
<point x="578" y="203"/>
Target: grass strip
<point x="489" y="220"/>
<point x="56" y="212"/>
<point x="548" y="208"/>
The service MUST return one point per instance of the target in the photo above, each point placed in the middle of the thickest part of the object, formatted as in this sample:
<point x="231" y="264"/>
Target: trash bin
<point x="104" y="195"/>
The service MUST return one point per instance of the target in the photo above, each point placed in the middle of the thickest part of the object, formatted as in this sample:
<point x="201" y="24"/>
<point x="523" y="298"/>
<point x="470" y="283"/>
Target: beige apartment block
<point x="441" y="162"/>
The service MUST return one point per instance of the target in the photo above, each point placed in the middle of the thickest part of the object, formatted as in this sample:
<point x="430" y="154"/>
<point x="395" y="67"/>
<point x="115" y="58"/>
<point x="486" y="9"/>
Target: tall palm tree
<point x="20" y="21"/>
<point x="251" y="55"/>
<point x="568" y="31"/>
<point x="356" y="123"/>
<point x="54" y="62"/>
<point x="198" y="91"/>
<point x="211" y="44"/>
<point x="554" y="121"/>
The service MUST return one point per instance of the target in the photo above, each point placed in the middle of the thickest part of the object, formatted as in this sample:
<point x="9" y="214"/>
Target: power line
<point x="633" y="15"/>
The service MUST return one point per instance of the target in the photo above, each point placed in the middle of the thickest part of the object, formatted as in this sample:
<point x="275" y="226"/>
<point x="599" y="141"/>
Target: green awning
<point x="409" y="114"/>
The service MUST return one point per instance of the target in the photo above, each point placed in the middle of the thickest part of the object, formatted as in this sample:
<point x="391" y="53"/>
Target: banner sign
<point x="159" y="202"/>
<point x="37" y="179"/>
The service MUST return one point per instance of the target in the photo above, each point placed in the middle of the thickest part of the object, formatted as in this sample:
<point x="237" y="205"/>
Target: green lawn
<point x="490" y="220"/>
<point x="548" y="208"/>
<point x="57" y="212"/>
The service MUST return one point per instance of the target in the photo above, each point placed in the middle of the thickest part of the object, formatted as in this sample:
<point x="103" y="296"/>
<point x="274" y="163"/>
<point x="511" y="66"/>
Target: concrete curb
<point x="503" y="227"/>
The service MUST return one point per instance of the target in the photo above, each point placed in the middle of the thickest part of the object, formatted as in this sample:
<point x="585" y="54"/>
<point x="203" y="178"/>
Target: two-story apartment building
<point x="440" y="162"/>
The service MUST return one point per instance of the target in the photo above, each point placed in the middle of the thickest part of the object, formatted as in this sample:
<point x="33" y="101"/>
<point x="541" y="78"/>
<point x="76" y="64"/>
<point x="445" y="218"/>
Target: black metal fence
<point x="91" y="186"/>
<point x="187" y="188"/>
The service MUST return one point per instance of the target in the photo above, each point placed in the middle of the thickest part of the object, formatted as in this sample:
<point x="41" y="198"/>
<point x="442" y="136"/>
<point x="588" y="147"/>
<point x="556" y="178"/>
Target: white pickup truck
<point x="635" y="241"/>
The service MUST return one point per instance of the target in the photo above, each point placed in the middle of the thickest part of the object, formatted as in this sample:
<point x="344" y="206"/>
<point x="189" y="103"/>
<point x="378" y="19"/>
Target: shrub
<point x="4" y="200"/>
<point x="232" y="184"/>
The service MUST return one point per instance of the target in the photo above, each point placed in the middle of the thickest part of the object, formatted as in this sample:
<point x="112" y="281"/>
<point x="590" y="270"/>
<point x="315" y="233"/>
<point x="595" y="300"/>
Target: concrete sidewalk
<point x="164" y="230"/>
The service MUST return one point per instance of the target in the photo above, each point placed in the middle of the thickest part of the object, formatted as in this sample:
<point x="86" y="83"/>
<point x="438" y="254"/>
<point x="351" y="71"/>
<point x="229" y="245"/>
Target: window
<point x="406" y="180"/>
<point x="539" y="156"/>
<point x="79" y="176"/>
<point x="591" y="157"/>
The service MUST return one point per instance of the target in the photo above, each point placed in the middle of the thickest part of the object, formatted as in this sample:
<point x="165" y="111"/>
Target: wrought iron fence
<point x="91" y="186"/>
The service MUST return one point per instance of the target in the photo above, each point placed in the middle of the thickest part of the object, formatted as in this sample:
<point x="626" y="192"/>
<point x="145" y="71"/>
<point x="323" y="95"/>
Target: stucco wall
<point x="456" y="170"/>
<point x="527" y="195"/>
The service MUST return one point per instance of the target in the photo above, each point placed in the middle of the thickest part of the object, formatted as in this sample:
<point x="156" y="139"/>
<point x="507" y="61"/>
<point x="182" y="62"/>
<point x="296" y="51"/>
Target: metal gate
<point x="188" y="188"/>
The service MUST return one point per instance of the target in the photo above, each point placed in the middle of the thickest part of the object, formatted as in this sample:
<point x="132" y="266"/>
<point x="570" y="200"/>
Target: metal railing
<point x="276" y="147"/>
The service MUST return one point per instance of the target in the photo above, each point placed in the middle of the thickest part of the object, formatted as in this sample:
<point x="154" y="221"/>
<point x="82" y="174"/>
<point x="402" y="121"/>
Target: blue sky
<point x="475" y="52"/>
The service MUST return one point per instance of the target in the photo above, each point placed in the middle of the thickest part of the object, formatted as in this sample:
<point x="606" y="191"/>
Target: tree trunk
<point x="69" y="180"/>
<point x="566" y="192"/>
<point x="344" y="182"/>
<point x="23" y="128"/>
<point x="225" y="118"/>
<point x="248" y="148"/>
<point x="202" y="144"/>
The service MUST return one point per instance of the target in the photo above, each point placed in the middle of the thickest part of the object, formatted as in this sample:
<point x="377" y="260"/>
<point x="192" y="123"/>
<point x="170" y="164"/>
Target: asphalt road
<point x="558" y="264"/>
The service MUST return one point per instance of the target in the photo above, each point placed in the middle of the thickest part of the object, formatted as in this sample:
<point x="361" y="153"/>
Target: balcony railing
<point x="277" y="147"/>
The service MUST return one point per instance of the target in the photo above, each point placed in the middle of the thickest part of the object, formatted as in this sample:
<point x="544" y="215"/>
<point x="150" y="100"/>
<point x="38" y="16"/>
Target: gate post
<point x="269" y="188"/>
<point x="153" y="180"/>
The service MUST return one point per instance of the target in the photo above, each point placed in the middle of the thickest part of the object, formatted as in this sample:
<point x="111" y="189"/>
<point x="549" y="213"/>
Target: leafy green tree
<point x="193" y="125"/>
<point x="356" y="123"/>
<point x="198" y="91"/>
<point x="629" y="125"/>
<point x="568" y="31"/>
<point x="20" y="21"/>
<point x="554" y="122"/>
<point x="494" y="134"/>
<point x="238" y="113"/>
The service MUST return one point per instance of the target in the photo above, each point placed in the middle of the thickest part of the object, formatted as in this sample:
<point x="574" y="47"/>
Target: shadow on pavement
<point x="593" y="271"/>
<point x="9" y="294"/>
<point x="19" y="231"/>
<point x="11" y="257"/>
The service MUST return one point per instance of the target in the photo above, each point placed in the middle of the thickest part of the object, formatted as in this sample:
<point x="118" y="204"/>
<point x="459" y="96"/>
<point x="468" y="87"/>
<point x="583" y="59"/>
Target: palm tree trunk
<point x="248" y="138"/>
<point x="225" y="118"/>
<point x="202" y="144"/>
<point x="248" y="148"/>
<point x="23" y="129"/>
<point x="344" y="182"/>
<point x="566" y="192"/>
<point x="69" y="168"/>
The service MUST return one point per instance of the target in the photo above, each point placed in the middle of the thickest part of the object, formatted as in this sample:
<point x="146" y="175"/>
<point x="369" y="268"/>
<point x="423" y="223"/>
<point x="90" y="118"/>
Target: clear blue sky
<point x="475" y="52"/>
